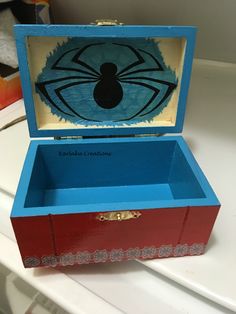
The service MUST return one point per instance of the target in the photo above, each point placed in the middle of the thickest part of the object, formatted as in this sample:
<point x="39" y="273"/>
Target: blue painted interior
<point x="118" y="32"/>
<point x="110" y="174"/>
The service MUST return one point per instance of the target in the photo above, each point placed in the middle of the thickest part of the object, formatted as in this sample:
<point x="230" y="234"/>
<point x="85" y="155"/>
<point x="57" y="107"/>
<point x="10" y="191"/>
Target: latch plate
<point x="118" y="216"/>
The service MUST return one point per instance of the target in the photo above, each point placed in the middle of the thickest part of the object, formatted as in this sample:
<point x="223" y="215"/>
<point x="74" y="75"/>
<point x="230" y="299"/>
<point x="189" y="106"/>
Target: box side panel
<point x="35" y="239"/>
<point x="199" y="223"/>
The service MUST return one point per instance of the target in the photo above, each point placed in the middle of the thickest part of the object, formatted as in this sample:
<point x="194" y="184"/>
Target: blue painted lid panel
<point x="94" y="81"/>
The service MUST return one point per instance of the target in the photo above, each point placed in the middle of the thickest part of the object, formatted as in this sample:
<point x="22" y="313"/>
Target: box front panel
<point x="86" y="238"/>
<point x="113" y="236"/>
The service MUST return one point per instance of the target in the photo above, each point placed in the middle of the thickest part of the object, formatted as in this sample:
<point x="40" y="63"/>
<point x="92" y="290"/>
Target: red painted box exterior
<point x="59" y="240"/>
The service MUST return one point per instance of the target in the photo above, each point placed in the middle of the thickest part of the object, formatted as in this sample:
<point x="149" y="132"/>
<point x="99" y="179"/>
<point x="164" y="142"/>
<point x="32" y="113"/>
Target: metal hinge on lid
<point x="67" y="137"/>
<point x="107" y="22"/>
<point x="105" y="136"/>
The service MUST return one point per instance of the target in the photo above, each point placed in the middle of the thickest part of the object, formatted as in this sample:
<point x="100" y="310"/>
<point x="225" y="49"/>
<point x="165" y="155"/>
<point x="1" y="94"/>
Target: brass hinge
<point x="67" y="137"/>
<point x="107" y="136"/>
<point x="107" y="22"/>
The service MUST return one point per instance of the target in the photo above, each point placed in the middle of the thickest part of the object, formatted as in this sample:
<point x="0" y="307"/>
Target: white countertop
<point x="157" y="285"/>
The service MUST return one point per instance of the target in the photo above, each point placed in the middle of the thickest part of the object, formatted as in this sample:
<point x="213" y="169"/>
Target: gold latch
<point x="107" y="22"/>
<point x="118" y="216"/>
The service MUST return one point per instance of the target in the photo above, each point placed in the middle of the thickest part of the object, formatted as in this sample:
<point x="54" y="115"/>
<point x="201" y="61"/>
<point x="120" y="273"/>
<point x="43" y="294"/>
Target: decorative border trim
<point x="115" y="255"/>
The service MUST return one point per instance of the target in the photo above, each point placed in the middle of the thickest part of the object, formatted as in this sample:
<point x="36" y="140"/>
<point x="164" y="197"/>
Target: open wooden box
<point x="109" y="196"/>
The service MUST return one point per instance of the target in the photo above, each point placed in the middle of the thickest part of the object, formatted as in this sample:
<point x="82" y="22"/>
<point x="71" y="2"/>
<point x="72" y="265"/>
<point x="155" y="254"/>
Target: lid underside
<point x="104" y="85"/>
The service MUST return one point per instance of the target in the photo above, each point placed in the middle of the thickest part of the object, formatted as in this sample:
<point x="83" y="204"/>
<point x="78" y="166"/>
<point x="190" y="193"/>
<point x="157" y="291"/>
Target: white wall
<point x="215" y="19"/>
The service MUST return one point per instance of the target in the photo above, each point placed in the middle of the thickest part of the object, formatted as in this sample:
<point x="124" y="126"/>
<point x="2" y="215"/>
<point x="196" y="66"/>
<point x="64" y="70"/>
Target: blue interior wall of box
<point x="55" y="182"/>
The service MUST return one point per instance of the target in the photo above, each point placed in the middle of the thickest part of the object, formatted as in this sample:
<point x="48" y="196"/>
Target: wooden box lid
<point x="81" y="80"/>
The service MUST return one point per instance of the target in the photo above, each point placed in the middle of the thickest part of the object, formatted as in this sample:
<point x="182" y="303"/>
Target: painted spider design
<point x="146" y="82"/>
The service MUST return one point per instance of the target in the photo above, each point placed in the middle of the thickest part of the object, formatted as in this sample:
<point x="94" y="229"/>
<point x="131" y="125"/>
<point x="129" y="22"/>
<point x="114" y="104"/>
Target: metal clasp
<point x="118" y="216"/>
<point x="107" y="22"/>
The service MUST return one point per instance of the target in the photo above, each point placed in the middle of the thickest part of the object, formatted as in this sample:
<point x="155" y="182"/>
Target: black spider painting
<point x="110" y="81"/>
